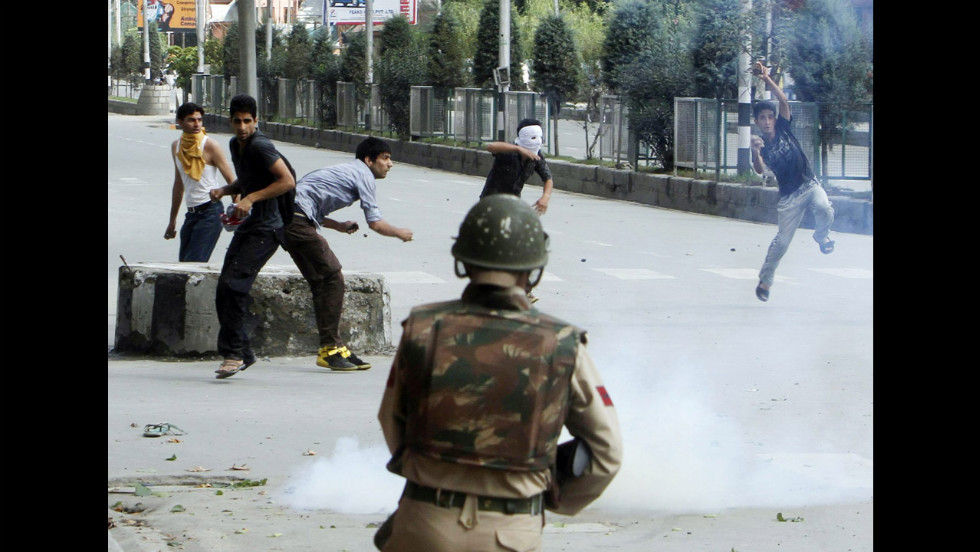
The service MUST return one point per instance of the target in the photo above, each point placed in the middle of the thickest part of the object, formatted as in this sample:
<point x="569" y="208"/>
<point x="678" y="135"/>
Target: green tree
<point x="628" y="34"/>
<point x="447" y="51"/>
<point x="184" y="62"/>
<point x="829" y="58"/>
<point x="326" y="73"/>
<point x="660" y="69"/>
<point x="487" y="54"/>
<point x="398" y="70"/>
<point x="299" y="51"/>
<point x="556" y="65"/>
<point x="720" y="29"/>
<point x="230" y="59"/>
<point x="397" y="33"/>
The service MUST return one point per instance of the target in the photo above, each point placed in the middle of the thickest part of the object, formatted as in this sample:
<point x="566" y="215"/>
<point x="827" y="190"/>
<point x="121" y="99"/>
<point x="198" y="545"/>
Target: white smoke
<point x="681" y="454"/>
<point x="352" y="480"/>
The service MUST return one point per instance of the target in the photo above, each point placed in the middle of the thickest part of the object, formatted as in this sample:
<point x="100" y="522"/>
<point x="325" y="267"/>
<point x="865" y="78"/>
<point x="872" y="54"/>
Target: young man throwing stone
<point x="318" y="194"/>
<point x="799" y="190"/>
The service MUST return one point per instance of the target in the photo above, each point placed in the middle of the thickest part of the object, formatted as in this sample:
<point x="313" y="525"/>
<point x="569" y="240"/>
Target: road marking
<point x="634" y="274"/>
<point x="411" y="277"/>
<point x="858" y="273"/>
<point x="743" y="274"/>
<point x="735" y="273"/>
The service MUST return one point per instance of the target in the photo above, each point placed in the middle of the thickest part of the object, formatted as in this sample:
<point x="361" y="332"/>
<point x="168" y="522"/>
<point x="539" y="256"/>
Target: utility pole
<point x="503" y="65"/>
<point x="268" y="30"/>
<point x="146" y="41"/>
<point x="200" y="19"/>
<point x="745" y="99"/>
<point x="247" y="80"/>
<point x="369" y="74"/>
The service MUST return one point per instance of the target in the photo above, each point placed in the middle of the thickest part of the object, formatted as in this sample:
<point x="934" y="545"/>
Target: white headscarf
<point x="530" y="138"/>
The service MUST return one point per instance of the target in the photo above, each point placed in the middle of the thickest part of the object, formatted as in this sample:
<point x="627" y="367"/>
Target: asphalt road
<point x="732" y="410"/>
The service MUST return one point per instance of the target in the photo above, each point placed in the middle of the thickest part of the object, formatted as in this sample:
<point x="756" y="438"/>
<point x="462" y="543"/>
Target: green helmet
<point x="501" y="232"/>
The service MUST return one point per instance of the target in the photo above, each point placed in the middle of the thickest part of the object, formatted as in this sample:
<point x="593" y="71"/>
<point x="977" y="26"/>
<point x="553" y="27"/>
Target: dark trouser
<point x="199" y="233"/>
<point x="321" y="268"/>
<point x="247" y="254"/>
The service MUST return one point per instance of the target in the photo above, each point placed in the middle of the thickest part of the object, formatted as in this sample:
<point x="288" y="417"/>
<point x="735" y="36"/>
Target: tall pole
<point x="201" y="15"/>
<point x="118" y="24"/>
<point x="744" y="165"/>
<point x="246" y="21"/>
<point x="268" y="30"/>
<point x="146" y="41"/>
<point x="503" y="65"/>
<point x="369" y="29"/>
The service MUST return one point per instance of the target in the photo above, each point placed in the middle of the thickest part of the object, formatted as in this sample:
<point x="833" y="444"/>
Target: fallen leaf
<point x="177" y="508"/>
<point x="174" y="440"/>
<point x="241" y="531"/>
<point x="309" y="453"/>
<point x="172" y="458"/>
<point x="199" y="469"/>
<point x="274" y="535"/>
<point x="242" y="467"/>
<point x="142" y="490"/>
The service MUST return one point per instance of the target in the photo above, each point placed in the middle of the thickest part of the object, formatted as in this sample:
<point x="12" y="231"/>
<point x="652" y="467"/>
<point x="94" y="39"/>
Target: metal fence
<point x="430" y="112"/>
<point x="124" y="89"/>
<point x="837" y="141"/>
<point x="615" y="140"/>
<point x="474" y="115"/>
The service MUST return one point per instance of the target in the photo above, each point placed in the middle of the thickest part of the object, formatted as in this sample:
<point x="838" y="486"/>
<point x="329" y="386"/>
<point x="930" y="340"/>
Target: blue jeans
<point x="200" y="233"/>
<point x="790" y="211"/>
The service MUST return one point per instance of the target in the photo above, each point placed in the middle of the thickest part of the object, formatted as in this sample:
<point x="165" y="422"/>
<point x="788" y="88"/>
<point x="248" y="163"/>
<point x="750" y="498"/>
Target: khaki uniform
<point x="462" y="523"/>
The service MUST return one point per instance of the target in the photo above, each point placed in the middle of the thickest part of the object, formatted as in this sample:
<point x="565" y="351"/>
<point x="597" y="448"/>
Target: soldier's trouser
<point x="423" y="527"/>
<point x="790" y="211"/>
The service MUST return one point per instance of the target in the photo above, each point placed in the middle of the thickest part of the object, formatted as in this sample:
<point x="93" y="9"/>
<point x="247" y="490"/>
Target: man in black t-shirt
<point x="799" y="190"/>
<point x="263" y="175"/>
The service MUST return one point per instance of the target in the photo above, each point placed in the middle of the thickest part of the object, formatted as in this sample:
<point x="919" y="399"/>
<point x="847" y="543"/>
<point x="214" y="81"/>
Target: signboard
<point x="170" y="15"/>
<point x="351" y="12"/>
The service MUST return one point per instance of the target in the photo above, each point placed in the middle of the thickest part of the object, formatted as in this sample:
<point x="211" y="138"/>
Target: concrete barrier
<point x="155" y="99"/>
<point x="168" y="309"/>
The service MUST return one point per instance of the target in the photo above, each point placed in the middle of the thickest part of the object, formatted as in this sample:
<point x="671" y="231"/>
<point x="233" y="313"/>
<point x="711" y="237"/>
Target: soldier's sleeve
<point x="591" y="417"/>
<point x="392" y="412"/>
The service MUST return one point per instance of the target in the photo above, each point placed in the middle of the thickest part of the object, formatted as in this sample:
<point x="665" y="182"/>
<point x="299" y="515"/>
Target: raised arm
<point x="763" y="72"/>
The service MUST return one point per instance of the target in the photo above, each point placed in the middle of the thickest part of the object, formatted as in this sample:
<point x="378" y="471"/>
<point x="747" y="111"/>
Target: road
<point x="727" y="404"/>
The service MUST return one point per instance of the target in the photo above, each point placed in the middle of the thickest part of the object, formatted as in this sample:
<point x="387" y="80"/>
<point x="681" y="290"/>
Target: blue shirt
<point x="329" y="189"/>
<point x="785" y="158"/>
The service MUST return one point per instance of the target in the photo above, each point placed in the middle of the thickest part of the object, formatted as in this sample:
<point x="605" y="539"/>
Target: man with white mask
<point x="514" y="163"/>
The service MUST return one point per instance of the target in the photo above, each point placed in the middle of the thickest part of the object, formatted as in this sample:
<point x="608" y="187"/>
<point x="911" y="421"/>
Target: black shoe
<point x="361" y="365"/>
<point x="761" y="293"/>
<point x="333" y="358"/>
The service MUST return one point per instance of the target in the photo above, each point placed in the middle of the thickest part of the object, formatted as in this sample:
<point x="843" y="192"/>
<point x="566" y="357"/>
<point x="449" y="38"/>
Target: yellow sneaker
<point x="334" y="358"/>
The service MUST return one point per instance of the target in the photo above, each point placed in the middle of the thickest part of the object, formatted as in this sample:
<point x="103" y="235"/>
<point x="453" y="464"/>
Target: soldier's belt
<point x="453" y="499"/>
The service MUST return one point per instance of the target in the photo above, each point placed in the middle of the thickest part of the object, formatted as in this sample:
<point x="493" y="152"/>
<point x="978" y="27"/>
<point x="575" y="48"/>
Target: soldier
<point x="478" y="393"/>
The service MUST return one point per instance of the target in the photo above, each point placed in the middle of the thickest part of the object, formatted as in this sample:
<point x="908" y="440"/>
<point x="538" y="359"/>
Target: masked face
<point x="530" y="138"/>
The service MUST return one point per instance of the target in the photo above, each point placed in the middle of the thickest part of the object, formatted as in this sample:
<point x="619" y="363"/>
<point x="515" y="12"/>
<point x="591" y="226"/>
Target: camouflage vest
<point x="487" y="387"/>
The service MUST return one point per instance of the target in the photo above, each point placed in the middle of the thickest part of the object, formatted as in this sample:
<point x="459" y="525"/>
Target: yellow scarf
<point x="191" y="155"/>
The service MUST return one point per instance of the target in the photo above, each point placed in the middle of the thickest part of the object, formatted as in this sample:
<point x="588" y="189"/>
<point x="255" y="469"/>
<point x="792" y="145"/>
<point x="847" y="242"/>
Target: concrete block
<point x="168" y="309"/>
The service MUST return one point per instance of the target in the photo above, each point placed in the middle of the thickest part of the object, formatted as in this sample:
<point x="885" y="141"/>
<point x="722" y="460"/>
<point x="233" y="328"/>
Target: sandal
<point x="159" y="430"/>
<point x="826" y="247"/>
<point x="230" y="367"/>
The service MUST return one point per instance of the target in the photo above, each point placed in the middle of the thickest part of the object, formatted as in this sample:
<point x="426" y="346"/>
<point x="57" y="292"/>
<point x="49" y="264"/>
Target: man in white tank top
<point x="197" y="161"/>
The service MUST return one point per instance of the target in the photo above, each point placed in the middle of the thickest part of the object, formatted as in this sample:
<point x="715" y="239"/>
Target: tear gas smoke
<point x="351" y="480"/>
